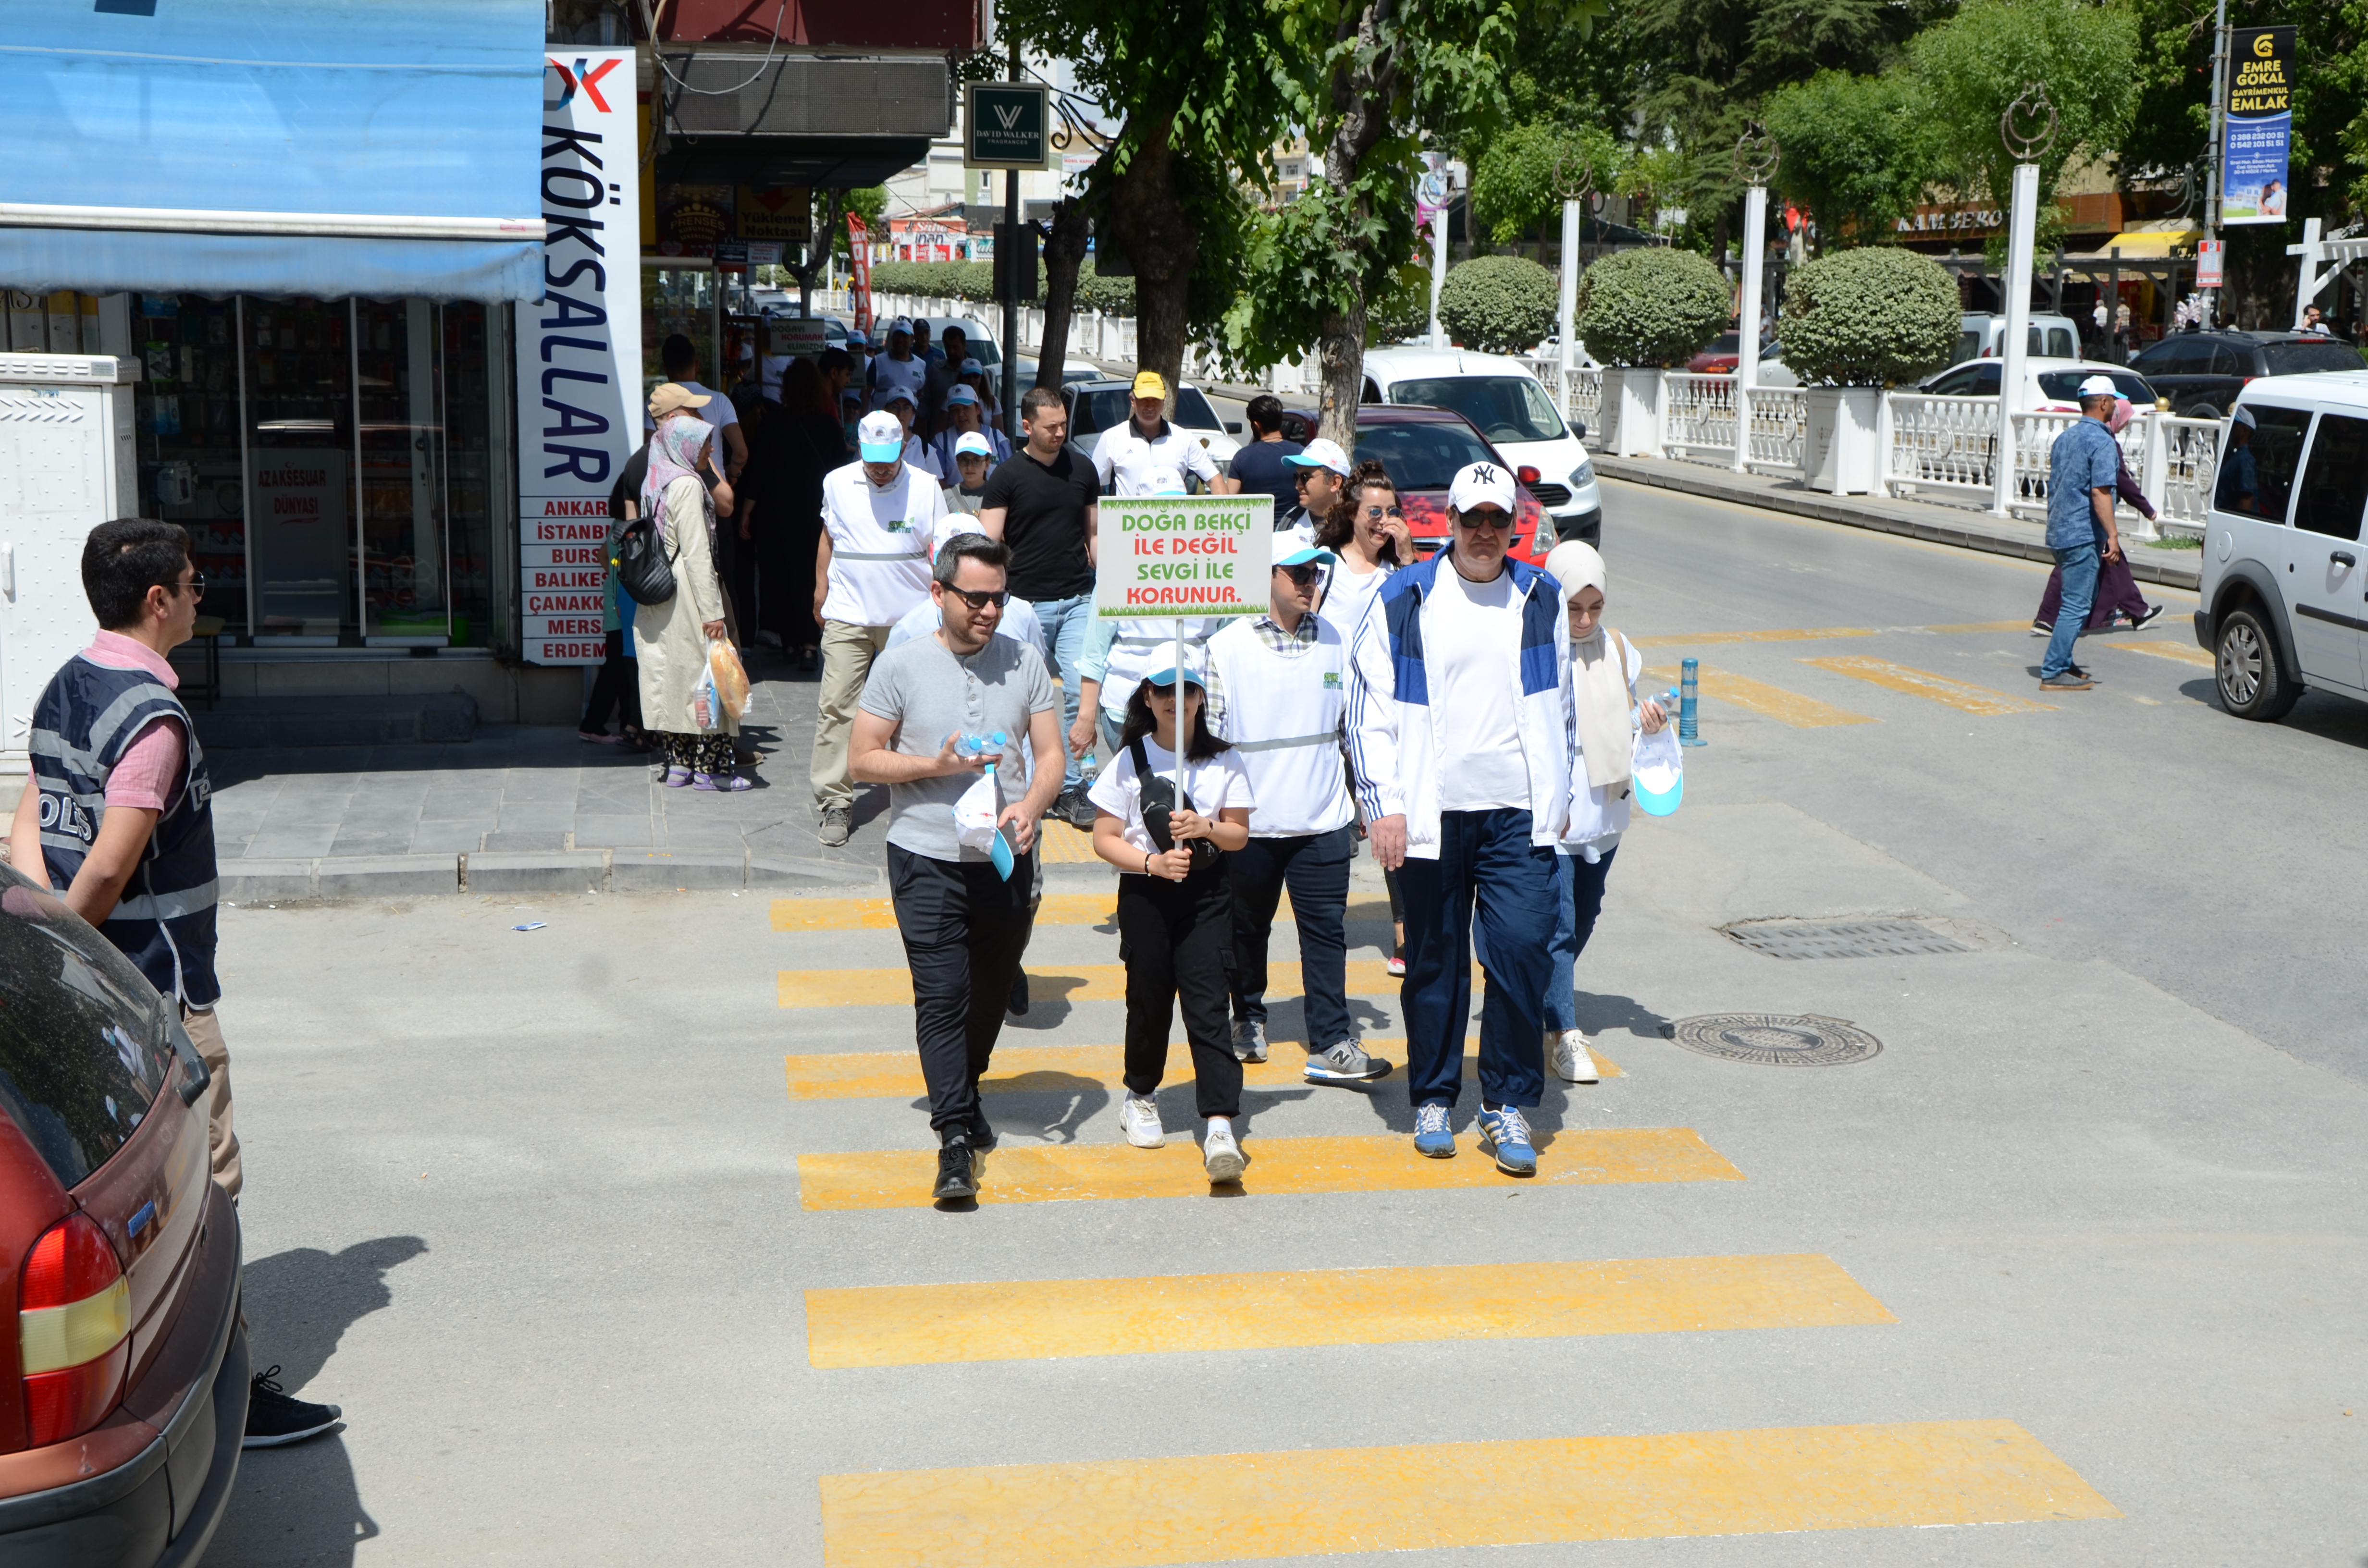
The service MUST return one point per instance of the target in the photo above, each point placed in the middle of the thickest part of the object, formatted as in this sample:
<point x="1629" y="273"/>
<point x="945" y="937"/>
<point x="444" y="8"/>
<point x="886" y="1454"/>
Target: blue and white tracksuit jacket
<point x="1393" y="727"/>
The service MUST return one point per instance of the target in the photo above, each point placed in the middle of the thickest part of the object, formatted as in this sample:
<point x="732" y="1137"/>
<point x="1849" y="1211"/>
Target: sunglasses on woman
<point x="979" y="599"/>
<point x="1385" y="511"/>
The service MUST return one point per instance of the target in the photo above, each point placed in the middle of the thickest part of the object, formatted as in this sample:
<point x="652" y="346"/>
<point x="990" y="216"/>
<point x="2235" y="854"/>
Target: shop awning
<point x="322" y="147"/>
<point x="2149" y="243"/>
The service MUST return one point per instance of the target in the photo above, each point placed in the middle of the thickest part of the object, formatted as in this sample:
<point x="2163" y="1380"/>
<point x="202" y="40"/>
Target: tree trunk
<point x="1151" y="223"/>
<point x="1064" y="254"/>
<point x="1342" y="348"/>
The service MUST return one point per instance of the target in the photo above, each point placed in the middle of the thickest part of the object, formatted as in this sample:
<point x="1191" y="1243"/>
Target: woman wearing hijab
<point x="672" y="637"/>
<point x="1606" y="715"/>
<point x="2120" y="607"/>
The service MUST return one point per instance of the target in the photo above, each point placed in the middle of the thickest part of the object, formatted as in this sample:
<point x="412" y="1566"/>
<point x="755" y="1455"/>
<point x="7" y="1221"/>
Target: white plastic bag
<point x="976" y="816"/>
<point x="706" y="708"/>
<point x="1658" y="768"/>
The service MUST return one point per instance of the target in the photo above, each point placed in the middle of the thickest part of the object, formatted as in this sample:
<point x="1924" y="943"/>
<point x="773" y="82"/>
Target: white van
<point x="1981" y="334"/>
<point x="1512" y="410"/>
<point x="2284" y="592"/>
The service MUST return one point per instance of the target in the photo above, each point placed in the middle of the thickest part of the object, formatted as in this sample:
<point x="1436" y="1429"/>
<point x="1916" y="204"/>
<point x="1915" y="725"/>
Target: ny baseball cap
<point x="959" y="396"/>
<point x="881" y="437"/>
<point x="670" y="397"/>
<point x="973" y="444"/>
<point x="1482" y="484"/>
<point x="2099" y="386"/>
<point x="1149" y="383"/>
<point x="1306" y="555"/>
<point x="1322" y="453"/>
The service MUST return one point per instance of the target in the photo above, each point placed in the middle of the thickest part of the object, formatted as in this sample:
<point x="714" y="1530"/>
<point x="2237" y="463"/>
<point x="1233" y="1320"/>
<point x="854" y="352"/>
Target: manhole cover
<point x="1776" y="1040"/>
<point x="1843" y="938"/>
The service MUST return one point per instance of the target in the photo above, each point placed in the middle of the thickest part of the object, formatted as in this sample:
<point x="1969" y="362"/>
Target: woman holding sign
<point x="1175" y="902"/>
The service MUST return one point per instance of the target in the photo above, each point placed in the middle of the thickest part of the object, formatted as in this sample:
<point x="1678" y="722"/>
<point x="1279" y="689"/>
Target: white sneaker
<point x="1139" y="1118"/>
<point x="1220" y="1157"/>
<point x="1571" y="1060"/>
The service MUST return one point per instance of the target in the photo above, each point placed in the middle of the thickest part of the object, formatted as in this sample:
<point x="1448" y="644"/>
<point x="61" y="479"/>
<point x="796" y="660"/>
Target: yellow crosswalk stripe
<point x="2185" y="652"/>
<point x="904" y="1325"/>
<point x="1964" y="695"/>
<point x="899" y="1178"/>
<point x="1070" y="983"/>
<point x="1769" y="701"/>
<point x="1054" y="909"/>
<point x="1981" y="626"/>
<point x="1809" y="634"/>
<point x="1024" y="1069"/>
<point x="1252" y="1506"/>
<point x="1062" y="845"/>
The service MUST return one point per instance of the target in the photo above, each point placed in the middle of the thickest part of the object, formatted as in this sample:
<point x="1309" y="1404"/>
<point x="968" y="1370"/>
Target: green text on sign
<point x="1193" y="555"/>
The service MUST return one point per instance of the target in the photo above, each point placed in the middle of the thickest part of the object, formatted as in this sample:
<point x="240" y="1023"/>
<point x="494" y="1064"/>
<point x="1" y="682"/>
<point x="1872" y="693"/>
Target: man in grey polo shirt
<point x="964" y="924"/>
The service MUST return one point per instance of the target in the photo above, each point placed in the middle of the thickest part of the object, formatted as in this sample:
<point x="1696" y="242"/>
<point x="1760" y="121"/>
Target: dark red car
<point x="1423" y="448"/>
<point x="123" y="1392"/>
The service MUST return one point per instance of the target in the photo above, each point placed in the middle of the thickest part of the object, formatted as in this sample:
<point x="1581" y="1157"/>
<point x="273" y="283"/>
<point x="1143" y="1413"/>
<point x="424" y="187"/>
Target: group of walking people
<point x="1467" y="715"/>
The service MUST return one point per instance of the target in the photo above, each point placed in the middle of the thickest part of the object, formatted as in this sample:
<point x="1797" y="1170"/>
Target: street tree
<point x="1857" y="150"/>
<point x="1365" y="78"/>
<point x="1524" y="173"/>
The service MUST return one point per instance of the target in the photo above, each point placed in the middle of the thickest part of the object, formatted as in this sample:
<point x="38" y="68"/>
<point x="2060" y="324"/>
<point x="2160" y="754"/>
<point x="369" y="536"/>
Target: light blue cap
<point x="960" y="397"/>
<point x="1306" y="554"/>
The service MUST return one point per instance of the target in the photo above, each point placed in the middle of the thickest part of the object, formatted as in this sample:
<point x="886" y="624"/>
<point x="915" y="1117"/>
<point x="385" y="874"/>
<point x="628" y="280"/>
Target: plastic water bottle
<point x="988" y="746"/>
<point x="1690" y="684"/>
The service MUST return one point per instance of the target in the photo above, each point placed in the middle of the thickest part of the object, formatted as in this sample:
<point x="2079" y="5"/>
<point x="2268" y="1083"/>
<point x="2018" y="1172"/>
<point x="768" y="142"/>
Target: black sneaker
<point x="2138" y="622"/>
<point x="273" y="1419"/>
<point x="1081" y="812"/>
<point x="2043" y="627"/>
<point x="1017" y="1004"/>
<point x="956" y="1180"/>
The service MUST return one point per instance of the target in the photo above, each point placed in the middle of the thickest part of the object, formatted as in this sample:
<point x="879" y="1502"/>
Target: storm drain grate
<point x="1776" y="1040"/>
<point x="1843" y="938"/>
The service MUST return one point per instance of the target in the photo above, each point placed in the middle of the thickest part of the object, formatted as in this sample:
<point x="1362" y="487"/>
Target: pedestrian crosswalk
<point x="1963" y="695"/>
<point x="1070" y="983"/>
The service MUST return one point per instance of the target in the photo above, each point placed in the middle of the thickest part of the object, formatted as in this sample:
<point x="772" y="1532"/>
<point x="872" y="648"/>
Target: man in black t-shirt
<point x="1259" y="467"/>
<point x="1042" y="501"/>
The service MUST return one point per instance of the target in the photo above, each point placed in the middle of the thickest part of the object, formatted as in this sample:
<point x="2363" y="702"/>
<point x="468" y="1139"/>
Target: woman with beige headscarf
<point x="1605" y="716"/>
<point x="671" y="639"/>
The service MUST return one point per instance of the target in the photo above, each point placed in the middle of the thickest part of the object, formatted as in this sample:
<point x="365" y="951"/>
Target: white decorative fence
<point x="1779" y="429"/>
<point x="1698" y="418"/>
<point x="1948" y="445"/>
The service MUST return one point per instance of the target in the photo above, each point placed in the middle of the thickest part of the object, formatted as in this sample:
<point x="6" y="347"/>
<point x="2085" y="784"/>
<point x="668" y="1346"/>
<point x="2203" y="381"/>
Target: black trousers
<point x="617" y="686"/>
<point x="1178" y="941"/>
<point x="964" y="928"/>
<point x="1315" y="867"/>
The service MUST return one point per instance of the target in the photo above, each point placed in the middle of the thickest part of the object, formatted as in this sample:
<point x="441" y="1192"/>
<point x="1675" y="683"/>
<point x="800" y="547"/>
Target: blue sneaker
<point x="1431" y="1136"/>
<point x="1503" y="1131"/>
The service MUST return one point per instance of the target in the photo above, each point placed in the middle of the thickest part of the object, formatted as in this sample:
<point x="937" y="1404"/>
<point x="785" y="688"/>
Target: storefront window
<point x="677" y="300"/>
<point x="359" y="505"/>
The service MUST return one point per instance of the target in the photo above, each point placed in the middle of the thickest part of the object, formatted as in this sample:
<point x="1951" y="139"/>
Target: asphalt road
<point x="2071" y="1272"/>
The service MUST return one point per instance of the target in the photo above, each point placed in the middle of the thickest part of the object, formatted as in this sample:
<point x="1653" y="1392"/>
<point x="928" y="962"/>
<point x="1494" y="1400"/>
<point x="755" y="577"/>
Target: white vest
<point x="1284" y="714"/>
<point x="1140" y="646"/>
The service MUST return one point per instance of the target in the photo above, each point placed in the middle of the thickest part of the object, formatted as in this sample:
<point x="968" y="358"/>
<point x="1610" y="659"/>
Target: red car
<point x="1423" y="448"/>
<point x="122" y="1412"/>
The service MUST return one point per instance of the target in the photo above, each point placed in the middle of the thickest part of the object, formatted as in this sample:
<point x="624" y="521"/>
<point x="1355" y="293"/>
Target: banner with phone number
<point x="2258" y="129"/>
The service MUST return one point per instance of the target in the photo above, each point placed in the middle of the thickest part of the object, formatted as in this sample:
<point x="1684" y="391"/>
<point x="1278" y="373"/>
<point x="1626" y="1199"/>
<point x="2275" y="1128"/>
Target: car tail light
<point x="1527" y="474"/>
<point x="74" y="1330"/>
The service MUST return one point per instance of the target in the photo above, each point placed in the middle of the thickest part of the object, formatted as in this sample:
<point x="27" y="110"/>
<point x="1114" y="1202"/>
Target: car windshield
<point x="1192" y="409"/>
<point x="2064" y="386"/>
<point x="1423" y="456"/>
<point x="2300" y="358"/>
<point x="84" y="1043"/>
<point x="1098" y="410"/>
<point x="1506" y="408"/>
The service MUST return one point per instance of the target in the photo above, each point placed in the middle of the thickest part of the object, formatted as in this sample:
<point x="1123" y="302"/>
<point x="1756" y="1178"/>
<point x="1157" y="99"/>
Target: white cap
<point x="1165" y="674"/>
<point x="1162" y="481"/>
<point x="2099" y="386"/>
<point x="2245" y="416"/>
<point x="974" y="444"/>
<point x="961" y="396"/>
<point x="903" y="324"/>
<point x="1482" y="484"/>
<point x="1321" y="453"/>
<point x="881" y="437"/>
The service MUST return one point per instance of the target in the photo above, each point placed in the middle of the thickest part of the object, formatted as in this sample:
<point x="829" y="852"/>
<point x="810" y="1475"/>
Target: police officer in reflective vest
<point x="117" y="818"/>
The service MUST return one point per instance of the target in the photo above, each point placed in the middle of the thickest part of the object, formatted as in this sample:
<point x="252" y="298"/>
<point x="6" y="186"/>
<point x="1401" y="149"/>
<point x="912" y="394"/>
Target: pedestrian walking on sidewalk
<point x="1278" y="692"/>
<point x="1259" y="467"/>
<point x="1175" y="903"/>
<point x="671" y="639"/>
<point x="1606" y="713"/>
<point x="118" y="819"/>
<point x="1367" y="530"/>
<point x="1459" y="705"/>
<point x="881" y="520"/>
<point x="1318" y="472"/>
<point x="2120" y="606"/>
<point x="964" y="923"/>
<point x="1042" y="502"/>
<point x="1130" y="458"/>
<point x="972" y="458"/>
<point x="2082" y="468"/>
<point x="618" y="686"/>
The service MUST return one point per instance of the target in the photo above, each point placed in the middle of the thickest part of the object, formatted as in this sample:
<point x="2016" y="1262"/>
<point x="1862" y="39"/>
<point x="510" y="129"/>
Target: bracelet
<point x="1146" y="862"/>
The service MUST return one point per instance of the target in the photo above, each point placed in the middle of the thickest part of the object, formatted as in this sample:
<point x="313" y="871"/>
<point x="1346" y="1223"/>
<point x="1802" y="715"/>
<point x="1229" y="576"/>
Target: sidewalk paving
<point x="1937" y="521"/>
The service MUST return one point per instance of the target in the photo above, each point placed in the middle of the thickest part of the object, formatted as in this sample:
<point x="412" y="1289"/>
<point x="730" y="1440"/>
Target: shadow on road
<point x="301" y="1504"/>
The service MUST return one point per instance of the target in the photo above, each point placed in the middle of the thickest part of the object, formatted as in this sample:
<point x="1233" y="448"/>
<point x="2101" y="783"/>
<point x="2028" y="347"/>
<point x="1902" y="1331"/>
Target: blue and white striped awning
<point x="378" y="148"/>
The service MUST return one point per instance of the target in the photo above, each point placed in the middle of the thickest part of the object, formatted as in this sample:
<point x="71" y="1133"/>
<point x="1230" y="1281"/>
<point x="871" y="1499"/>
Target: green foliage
<point x="1402" y="314"/>
<point x="1874" y="316"/>
<point x="1978" y="61"/>
<point x="867" y="202"/>
<point x="1653" y="305"/>
<point x="1524" y="173"/>
<point x="1858" y="150"/>
<point x="1498" y="305"/>
<point x="973" y="282"/>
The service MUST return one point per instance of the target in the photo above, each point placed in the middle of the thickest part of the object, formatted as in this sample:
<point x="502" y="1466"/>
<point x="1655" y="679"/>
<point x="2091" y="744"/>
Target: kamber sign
<point x="1161" y="555"/>
<point x="579" y="353"/>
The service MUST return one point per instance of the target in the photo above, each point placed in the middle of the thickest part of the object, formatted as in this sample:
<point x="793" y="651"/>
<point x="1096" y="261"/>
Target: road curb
<point x="638" y="869"/>
<point x="1692" y="479"/>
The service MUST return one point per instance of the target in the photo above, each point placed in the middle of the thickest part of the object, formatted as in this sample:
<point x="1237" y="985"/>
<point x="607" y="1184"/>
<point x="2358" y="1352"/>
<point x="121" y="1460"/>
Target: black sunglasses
<point x="195" y="587"/>
<point x="1305" y="574"/>
<point x="1491" y="519"/>
<point x="979" y="599"/>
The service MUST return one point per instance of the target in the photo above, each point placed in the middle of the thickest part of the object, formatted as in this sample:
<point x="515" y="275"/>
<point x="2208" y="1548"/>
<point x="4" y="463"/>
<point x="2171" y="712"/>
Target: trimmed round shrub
<point x="1871" y="317"/>
<point x="1653" y="305"/>
<point x="1497" y="304"/>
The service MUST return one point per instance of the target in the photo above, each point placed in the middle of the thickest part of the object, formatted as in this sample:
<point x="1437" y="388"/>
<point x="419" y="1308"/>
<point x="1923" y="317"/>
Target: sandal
<point x="728" y="783"/>
<point x="676" y="777"/>
<point x="597" y="737"/>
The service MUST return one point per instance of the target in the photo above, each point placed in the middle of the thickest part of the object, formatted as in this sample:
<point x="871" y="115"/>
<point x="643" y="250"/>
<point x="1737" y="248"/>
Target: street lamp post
<point x="1755" y="159"/>
<point x="1567" y="320"/>
<point x="2028" y="128"/>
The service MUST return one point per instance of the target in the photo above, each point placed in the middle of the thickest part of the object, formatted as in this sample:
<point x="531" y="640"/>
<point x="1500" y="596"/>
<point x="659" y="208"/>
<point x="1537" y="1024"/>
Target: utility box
<point x="68" y="464"/>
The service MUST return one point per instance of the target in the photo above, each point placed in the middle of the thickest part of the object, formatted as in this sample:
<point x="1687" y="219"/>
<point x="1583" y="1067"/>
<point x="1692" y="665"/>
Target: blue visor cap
<point x="1167" y="678"/>
<point x="882" y="451"/>
<point x="1307" y="555"/>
